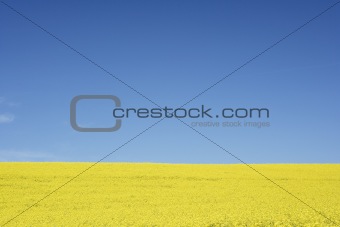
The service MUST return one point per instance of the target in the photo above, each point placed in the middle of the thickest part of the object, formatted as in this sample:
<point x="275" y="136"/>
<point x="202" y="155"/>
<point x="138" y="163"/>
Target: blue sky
<point x="170" y="51"/>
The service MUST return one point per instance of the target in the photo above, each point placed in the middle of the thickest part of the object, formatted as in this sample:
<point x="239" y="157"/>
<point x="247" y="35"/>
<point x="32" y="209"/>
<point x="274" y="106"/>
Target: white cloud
<point x="6" y="118"/>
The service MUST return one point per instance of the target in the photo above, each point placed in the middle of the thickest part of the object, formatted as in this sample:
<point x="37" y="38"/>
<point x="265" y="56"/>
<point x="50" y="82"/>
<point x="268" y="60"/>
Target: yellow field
<point x="169" y="195"/>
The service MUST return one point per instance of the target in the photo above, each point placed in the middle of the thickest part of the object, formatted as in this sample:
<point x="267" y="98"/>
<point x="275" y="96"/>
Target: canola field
<point x="130" y="194"/>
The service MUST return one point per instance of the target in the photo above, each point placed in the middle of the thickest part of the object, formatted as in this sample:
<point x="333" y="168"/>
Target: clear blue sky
<point x="170" y="51"/>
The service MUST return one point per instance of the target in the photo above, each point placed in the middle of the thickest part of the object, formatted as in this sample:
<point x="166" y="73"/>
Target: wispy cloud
<point x="25" y="156"/>
<point x="6" y="118"/>
<point x="13" y="104"/>
<point x="8" y="103"/>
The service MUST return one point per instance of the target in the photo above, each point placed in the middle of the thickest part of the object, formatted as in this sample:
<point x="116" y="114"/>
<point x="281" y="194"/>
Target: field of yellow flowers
<point x="128" y="194"/>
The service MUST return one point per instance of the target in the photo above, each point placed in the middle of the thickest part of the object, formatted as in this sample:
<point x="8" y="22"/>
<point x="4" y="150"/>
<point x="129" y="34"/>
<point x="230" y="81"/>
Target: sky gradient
<point x="170" y="51"/>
